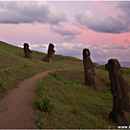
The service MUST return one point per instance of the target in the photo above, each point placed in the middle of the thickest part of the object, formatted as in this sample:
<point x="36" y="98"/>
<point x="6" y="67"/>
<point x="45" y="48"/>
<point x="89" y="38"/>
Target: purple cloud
<point x="119" y="47"/>
<point x="30" y="12"/>
<point x="66" y="33"/>
<point x="124" y="6"/>
<point x="108" y="25"/>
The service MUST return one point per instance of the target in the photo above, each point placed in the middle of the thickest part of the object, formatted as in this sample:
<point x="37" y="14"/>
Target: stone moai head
<point x="86" y="52"/>
<point x="51" y="46"/>
<point x="51" y="49"/>
<point x="113" y="65"/>
<point x="25" y="45"/>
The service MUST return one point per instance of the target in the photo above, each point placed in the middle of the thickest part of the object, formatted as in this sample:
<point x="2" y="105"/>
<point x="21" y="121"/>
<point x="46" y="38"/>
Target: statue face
<point x="26" y="45"/>
<point x="87" y="52"/>
<point x="51" y="45"/>
<point x="114" y="64"/>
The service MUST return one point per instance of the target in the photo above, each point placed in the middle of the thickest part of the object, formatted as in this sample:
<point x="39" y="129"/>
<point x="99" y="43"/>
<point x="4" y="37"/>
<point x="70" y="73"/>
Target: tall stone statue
<point x="27" y="51"/>
<point x="121" y="105"/>
<point x="50" y="55"/>
<point x="89" y="72"/>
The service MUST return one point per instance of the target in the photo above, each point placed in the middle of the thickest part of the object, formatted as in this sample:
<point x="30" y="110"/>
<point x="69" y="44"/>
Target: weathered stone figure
<point x="27" y="51"/>
<point x="50" y="55"/>
<point x="121" y="105"/>
<point x="89" y="72"/>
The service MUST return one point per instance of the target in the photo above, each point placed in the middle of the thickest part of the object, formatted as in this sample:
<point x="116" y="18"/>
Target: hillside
<point x="74" y="104"/>
<point x="69" y="103"/>
<point x="14" y="67"/>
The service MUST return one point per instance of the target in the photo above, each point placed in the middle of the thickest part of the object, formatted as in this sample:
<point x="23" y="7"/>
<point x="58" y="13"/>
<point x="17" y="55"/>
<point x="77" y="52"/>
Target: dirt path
<point x="16" y="109"/>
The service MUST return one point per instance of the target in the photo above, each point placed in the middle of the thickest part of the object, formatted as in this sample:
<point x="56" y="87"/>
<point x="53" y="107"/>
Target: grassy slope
<point x="15" y="68"/>
<point x="76" y="106"/>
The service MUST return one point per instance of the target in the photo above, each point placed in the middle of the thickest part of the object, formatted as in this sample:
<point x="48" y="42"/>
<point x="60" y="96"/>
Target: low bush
<point x="44" y="104"/>
<point x="2" y="87"/>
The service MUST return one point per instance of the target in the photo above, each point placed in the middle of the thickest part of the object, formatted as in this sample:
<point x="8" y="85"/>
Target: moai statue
<point x="50" y="55"/>
<point x="89" y="72"/>
<point x="121" y="105"/>
<point x="27" y="51"/>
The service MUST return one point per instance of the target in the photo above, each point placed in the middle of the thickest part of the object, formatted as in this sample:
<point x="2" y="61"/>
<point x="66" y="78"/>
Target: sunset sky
<point x="102" y="27"/>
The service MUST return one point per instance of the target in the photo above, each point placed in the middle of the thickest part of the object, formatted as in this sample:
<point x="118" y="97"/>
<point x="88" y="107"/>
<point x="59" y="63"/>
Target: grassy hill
<point x="14" y="67"/>
<point x="69" y="103"/>
<point x="73" y="105"/>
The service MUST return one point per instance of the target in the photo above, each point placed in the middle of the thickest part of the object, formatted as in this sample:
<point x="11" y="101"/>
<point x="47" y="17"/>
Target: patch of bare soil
<point x="16" y="109"/>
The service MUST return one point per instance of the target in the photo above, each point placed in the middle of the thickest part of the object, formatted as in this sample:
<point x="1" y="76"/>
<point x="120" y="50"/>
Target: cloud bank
<point x="66" y="33"/>
<point x="30" y="12"/>
<point x="117" y="25"/>
<point x="124" y="6"/>
<point x="99" y="53"/>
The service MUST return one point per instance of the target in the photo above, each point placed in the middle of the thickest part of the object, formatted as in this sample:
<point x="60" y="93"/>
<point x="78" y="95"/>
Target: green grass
<point x="15" y="68"/>
<point x="75" y="105"/>
<point x="62" y="100"/>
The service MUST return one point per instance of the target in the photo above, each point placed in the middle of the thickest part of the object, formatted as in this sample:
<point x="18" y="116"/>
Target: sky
<point x="101" y="26"/>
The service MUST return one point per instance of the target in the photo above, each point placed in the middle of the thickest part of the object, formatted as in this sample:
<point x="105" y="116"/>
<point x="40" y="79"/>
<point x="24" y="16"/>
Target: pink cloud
<point x="108" y="8"/>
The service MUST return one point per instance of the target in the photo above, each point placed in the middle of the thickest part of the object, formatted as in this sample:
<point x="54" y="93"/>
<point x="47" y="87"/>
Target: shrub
<point x="2" y="87"/>
<point x="44" y="104"/>
<point x="7" y="72"/>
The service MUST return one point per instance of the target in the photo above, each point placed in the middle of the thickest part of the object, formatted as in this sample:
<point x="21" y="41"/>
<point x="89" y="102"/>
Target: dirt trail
<point x="16" y="109"/>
